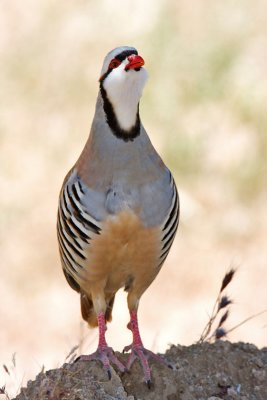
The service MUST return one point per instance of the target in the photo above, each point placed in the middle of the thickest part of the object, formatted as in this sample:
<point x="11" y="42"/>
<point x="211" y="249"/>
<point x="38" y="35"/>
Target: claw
<point x="148" y="382"/>
<point x="126" y="349"/>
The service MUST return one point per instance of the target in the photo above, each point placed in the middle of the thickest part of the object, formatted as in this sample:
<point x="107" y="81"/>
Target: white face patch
<point x="124" y="90"/>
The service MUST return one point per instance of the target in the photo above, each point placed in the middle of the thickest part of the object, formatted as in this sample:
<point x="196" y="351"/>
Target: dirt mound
<point x="204" y="371"/>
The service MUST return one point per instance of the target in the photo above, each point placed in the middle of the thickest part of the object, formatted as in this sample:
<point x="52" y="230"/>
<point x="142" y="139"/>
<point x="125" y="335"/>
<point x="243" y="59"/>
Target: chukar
<point x="118" y="208"/>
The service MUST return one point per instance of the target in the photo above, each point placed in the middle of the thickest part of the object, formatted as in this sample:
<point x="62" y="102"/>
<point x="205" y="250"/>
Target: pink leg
<point x="104" y="353"/>
<point x="138" y="350"/>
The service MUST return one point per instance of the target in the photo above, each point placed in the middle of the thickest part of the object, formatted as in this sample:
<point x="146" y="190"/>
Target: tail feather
<point x="88" y="312"/>
<point x="108" y="314"/>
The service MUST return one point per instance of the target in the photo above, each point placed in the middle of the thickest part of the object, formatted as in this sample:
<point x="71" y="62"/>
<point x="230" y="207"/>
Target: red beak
<point x="134" y="62"/>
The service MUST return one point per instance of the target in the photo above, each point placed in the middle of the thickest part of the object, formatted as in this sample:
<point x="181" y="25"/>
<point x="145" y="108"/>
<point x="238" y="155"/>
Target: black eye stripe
<point x="120" y="57"/>
<point x="114" y="63"/>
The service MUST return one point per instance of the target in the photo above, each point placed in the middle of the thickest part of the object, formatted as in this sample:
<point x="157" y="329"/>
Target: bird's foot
<point x="105" y="355"/>
<point x="141" y="353"/>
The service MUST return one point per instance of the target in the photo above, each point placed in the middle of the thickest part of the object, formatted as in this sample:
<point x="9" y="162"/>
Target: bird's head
<point x="122" y="58"/>
<point x="122" y="81"/>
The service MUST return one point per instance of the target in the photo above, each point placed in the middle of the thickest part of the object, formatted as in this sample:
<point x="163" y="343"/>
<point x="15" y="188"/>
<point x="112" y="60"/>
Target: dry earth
<point x="223" y="370"/>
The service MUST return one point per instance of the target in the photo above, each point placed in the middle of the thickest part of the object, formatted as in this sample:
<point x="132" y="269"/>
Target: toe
<point x="145" y="365"/>
<point x="130" y="361"/>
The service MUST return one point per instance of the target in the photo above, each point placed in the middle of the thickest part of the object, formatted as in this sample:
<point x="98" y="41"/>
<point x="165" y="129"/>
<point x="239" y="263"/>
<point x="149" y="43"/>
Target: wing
<point x="170" y="224"/>
<point x="159" y="206"/>
<point x="76" y="226"/>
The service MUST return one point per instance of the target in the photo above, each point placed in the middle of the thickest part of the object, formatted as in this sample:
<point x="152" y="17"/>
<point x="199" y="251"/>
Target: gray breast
<point x="120" y="197"/>
<point x="151" y="200"/>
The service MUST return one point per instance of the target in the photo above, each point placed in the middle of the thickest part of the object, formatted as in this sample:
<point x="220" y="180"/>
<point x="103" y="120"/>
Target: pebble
<point x="233" y="393"/>
<point x="259" y="375"/>
<point x="258" y="362"/>
<point x="222" y="379"/>
<point x="248" y="347"/>
<point x="215" y="398"/>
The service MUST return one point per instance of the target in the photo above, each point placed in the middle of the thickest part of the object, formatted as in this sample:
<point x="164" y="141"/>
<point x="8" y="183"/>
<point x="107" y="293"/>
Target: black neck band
<point x="126" y="135"/>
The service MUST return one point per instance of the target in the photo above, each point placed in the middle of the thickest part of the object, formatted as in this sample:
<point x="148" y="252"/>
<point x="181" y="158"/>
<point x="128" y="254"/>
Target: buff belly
<point x="125" y="253"/>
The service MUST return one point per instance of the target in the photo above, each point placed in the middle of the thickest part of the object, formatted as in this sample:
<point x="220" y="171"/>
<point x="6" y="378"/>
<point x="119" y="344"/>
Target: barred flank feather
<point x="171" y="223"/>
<point x="75" y="228"/>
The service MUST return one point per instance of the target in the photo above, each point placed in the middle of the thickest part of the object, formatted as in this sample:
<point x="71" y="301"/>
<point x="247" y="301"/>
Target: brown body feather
<point x="125" y="254"/>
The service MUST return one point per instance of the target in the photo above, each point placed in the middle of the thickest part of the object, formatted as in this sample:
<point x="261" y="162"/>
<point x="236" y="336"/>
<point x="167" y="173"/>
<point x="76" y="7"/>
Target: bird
<point x="118" y="209"/>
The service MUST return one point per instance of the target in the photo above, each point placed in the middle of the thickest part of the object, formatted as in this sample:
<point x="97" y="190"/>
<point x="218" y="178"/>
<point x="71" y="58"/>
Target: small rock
<point x="258" y="362"/>
<point x="215" y="398"/>
<point x="259" y="375"/>
<point x="249" y="347"/>
<point x="233" y="393"/>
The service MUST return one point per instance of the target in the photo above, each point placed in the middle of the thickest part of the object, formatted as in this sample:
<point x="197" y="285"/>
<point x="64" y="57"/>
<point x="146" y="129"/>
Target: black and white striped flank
<point x="75" y="228"/>
<point x="170" y="225"/>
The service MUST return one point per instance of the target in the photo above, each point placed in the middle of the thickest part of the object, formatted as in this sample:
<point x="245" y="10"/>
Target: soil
<point x="222" y="370"/>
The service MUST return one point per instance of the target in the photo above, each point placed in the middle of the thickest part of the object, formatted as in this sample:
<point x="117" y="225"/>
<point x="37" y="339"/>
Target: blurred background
<point x="204" y="107"/>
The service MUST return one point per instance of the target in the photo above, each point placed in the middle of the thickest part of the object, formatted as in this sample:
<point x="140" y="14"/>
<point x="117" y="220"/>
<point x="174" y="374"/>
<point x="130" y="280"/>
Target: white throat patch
<point x="124" y="90"/>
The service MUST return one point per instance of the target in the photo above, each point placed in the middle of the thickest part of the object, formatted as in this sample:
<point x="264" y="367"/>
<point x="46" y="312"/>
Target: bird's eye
<point x="114" y="63"/>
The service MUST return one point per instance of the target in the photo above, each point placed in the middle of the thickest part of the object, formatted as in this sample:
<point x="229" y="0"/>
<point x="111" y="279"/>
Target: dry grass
<point x="222" y="304"/>
<point x="205" y="109"/>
